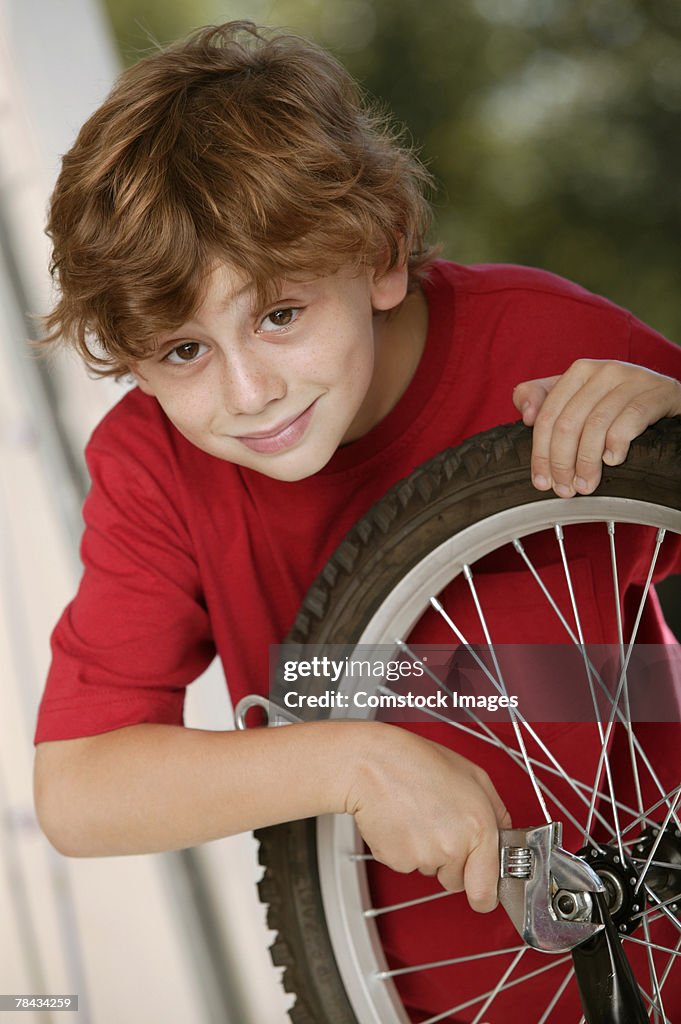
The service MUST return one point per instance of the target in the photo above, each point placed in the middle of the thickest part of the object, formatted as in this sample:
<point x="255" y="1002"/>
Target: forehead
<point x="228" y="288"/>
<point x="225" y="287"/>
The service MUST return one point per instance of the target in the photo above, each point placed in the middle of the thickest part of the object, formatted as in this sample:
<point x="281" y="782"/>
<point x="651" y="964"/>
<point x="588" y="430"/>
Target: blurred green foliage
<point x="552" y="126"/>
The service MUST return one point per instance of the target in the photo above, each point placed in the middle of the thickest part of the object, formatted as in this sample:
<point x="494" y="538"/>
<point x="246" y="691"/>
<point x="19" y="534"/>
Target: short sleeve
<point x="137" y="632"/>
<point x="650" y="349"/>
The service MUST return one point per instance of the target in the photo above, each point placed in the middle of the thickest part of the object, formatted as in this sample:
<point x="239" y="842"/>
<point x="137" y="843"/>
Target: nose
<point x="249" y="383"/>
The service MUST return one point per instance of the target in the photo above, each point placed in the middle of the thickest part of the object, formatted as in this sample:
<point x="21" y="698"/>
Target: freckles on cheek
<point x="360" y="365"/>
<point x="188" y="415"/>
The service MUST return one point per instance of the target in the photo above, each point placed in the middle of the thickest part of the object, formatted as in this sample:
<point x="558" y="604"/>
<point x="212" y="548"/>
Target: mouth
<point x="284" y="435"/>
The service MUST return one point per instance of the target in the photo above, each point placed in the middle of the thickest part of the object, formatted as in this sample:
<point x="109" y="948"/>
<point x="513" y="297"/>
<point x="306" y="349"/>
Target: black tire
<point x="486" y="474"/>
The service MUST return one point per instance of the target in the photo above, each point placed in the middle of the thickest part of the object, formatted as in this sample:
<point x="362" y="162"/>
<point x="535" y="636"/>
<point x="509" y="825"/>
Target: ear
<point x="141" y="381"/>
<point x="389" y="287"/>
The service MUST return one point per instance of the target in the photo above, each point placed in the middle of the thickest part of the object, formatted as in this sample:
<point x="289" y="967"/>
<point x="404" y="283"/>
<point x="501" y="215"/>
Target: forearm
<point x="153" y="787"/>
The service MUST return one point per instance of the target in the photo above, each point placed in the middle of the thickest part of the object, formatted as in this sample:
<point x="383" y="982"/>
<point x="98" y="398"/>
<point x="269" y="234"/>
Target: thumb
<point x="529" y="396"/>
<point x="481" y="874"/>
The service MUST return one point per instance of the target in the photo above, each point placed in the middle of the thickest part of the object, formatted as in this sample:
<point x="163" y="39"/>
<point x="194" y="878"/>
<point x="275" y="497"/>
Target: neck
<point x="399" y="338"/>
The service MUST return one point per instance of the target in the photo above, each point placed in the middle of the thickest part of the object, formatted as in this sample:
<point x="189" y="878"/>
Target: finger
<point x="501" y="814"/>
<point x="481" y="873"/>
<point x="450" y="876"/>
<point x="543" y="437"/>
<point x="597" y="442"/>
<point x="560" y="425"/>
<point x="609" y="418"/>
<point x="504" y="819"/>
<point x="638" y="413"/>
<point x="530" y="395"/>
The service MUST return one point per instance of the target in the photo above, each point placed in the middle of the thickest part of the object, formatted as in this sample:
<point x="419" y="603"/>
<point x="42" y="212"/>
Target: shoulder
<point x="137" y="456"/>
<point x="130" y="464"/>
<point x="524" y="283"/>
<point x="136" y="450"/>
<point x="134" y="416"/>
<point x="518" y="309"/>
<point x="136" y="430"/>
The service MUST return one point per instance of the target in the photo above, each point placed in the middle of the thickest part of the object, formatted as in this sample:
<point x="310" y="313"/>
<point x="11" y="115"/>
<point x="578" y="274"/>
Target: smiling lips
<point x="283" y="436"/>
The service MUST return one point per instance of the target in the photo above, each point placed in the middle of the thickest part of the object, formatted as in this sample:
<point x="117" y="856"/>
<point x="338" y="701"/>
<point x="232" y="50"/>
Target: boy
<point x="234" y="229"/>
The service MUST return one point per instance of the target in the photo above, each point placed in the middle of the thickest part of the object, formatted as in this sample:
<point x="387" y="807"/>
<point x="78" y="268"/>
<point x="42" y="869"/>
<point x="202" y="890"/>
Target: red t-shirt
<point x="186" y="555"/>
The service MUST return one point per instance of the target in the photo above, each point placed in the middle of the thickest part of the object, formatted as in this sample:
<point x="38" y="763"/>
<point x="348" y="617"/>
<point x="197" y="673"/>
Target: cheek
<point x="345" y="357"/>
<point x="360" y="372"/>
<point x="190" y="413"/>
<point x="359" y="364"/>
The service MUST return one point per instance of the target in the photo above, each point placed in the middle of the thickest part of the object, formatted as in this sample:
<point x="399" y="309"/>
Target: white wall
<point x="120" y="932"/>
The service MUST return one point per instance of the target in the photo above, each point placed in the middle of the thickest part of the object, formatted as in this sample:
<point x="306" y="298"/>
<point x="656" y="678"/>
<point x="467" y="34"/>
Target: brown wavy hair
<point x="239" y="145"/>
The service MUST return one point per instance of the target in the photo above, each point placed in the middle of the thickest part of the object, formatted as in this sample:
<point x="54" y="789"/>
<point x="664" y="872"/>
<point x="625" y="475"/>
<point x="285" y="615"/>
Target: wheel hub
<point x="664" y="874"/>
<point x="620" y="878"/>
<point x="620" y="875"/>
<point x="607" y="987"/>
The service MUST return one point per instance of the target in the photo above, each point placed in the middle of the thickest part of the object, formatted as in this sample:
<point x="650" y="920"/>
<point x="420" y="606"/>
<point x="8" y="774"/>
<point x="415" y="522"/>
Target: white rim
<point x="342" y="870"/>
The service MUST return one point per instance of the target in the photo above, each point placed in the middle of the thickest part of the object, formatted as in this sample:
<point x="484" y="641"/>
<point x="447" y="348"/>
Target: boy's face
<point x="278" y="389"/>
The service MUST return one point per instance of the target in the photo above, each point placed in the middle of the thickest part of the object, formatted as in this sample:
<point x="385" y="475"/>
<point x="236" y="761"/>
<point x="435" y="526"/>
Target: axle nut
<point x="572" y="906"/>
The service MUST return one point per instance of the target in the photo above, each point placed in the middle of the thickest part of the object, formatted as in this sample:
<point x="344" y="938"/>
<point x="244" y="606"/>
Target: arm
<point x="151" y="787"/>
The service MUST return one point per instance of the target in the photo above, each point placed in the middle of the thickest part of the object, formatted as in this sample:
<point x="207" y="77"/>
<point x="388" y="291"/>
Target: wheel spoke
<point x="558" y="993"/>
<point x="621" y="691"/>
<point x="642" y="755"/>
<point x="654" y="945"/>
<point x="670" y="962"/>
<point x="509" y="750"/>
<point x="649" y="579"/>
<point x="653" y="1008"/>
<point x="658" y="839"/>
<point x="468" y="575"/>
<point x="620" y="638"/>
<point x="496" y="991"/>
<point x="500" y="987"/>
<point x="655" y="917"/>
<point x="662" y="905"/>
<point x="653" y="807"/>
<point x="448" y="963"/>
<point x="655" y="863"/>
<point x="377" y="911"/>
<point x="622" y="685"/>
<point x="604" y="760"/>
<point x="494" y="740"/>
<point x="559" y="770"/>
<point x="659" y="1005"/>
<point x="666" y="906"/>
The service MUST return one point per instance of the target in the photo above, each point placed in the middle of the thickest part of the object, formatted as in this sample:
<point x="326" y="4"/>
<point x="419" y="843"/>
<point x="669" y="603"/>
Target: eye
<point x="279" y="319"/>
<point x="187" y="352"/>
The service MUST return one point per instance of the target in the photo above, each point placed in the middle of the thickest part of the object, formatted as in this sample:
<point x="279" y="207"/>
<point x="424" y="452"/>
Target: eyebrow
<point x="175" y="333"/>
<point x="229" y="299"/>
<point x="249" y="286"/>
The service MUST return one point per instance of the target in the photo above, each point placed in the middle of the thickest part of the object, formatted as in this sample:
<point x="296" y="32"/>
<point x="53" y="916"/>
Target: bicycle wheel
<point x="470" y="508"/>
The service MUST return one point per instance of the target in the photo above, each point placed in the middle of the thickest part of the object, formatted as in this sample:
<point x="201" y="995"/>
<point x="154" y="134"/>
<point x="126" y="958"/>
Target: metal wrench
<point x="546" y="891"/>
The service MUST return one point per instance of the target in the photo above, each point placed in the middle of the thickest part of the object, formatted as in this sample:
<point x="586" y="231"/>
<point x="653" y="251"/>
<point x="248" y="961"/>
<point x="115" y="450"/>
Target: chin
<point x="299" y="466"/>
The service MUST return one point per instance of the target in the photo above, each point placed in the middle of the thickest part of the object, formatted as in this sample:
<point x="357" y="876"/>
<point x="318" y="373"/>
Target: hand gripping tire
<point x="479" y="492"/>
